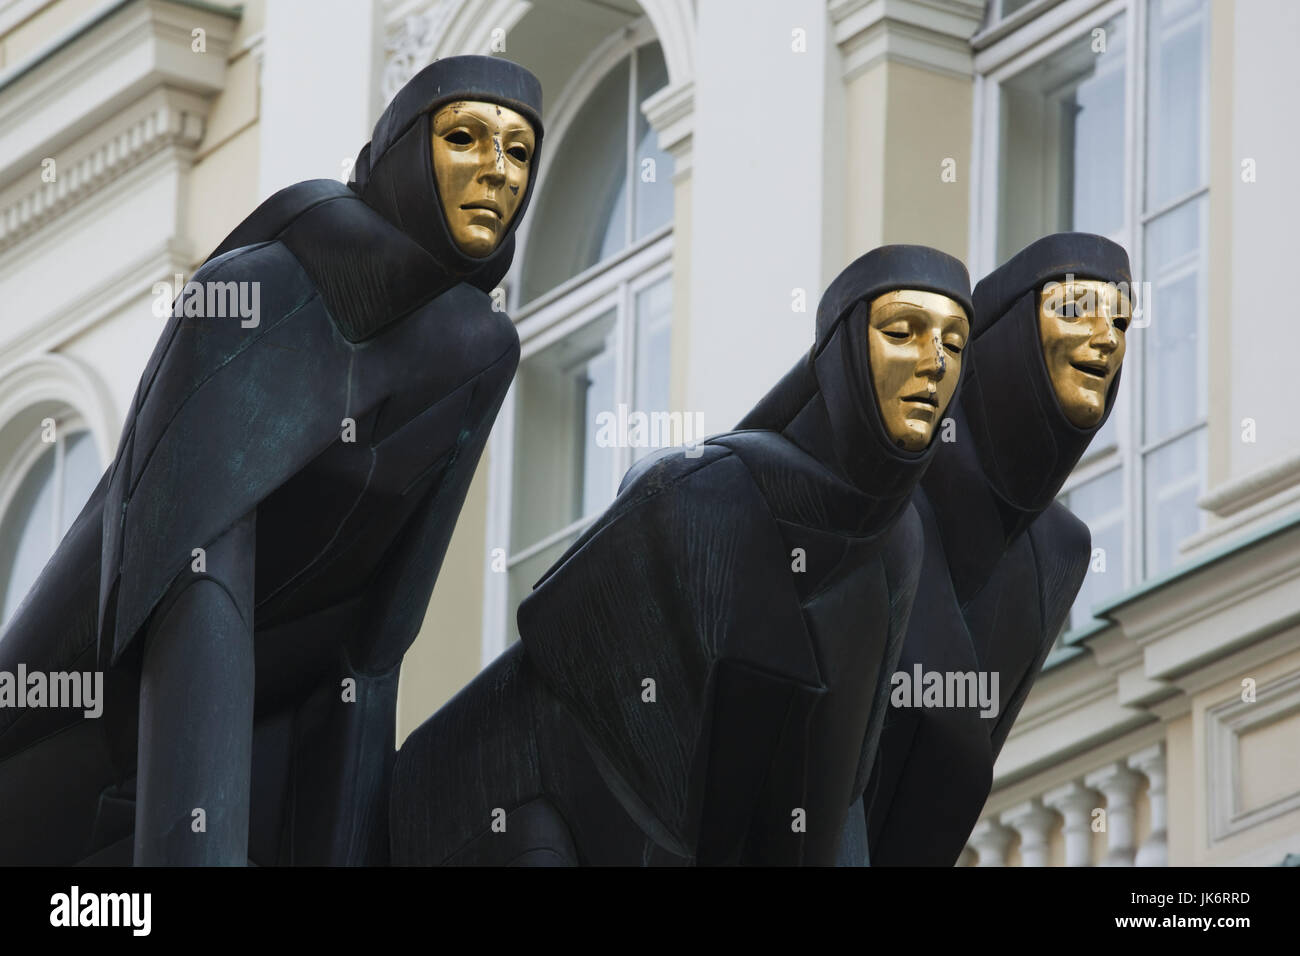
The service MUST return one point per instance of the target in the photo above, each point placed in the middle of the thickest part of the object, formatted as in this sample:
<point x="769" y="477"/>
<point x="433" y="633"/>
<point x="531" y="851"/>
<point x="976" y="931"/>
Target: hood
<point x="394" y="171"/>
<point x="827" y="404"/>
<point x="1026" y="445"/>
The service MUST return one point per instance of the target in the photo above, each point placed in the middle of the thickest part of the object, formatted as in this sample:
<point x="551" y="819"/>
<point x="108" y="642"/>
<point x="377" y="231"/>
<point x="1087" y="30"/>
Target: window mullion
<point x="633" y="111"/>
<point x="56" y="487"/>
<point x="1135" y="184"/>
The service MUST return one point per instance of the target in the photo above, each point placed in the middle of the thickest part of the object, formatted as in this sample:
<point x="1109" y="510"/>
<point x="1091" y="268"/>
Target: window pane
<point x="1173" y="373"/>
<point x="654" y="198"/>
<point x="1099" y="503"/>
<point x="581" y="211"/>
<point x="654" y="316"/>
<point x="1062" y="143"/>
<point x="27" y="534"/>
<point x="1173" y="483"/>
<point x="80" y="475"/>
<point x="560" y="473"/>
<point x="1175" y="108"/>
<point x="1106" y="440"/>
<point x="525" y="574"/>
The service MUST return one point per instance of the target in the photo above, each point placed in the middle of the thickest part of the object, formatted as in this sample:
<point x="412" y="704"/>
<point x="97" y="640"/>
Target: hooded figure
<point x="1003" y="559"/>
<point x="700" y="676"/>
<point x="261" y="552"/>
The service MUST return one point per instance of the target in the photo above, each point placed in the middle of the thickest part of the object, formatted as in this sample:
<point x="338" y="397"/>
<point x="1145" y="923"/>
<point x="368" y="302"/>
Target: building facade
<point x="708" y="167"/>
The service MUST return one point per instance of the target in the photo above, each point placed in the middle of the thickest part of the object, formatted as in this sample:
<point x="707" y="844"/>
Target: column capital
<point x="932" y="34"/>
<point x="671" y="113"/>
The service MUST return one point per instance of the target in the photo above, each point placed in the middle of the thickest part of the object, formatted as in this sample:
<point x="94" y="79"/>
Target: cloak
<point x="1003" y="560"/>
<point x="311" y="466"/>
<point x="699" y="676"/>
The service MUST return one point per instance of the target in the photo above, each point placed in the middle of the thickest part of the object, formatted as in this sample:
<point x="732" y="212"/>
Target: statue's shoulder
<point x="1059" y="529"/>
<point x="367" y="272"/>
<point x="281" y="209"/>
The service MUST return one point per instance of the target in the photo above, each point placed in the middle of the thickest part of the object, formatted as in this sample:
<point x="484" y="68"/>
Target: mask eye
<point x="893" y="333"/>
<point x="518" y="153"/>
<point x="954" y="349"/>
<point x="1121" y="324"/>
<point x="459" y="137"/>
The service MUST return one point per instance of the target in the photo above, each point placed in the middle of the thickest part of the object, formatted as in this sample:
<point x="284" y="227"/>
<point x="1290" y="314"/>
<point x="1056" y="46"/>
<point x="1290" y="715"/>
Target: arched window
<point x="593" y="304"/>
<point x="607" y="186"/>
<point x="41" y="494"/>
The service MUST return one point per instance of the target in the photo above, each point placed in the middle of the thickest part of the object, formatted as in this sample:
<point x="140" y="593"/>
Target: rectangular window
<point x="1101" y="127"/>
<point x="571" y="396"/>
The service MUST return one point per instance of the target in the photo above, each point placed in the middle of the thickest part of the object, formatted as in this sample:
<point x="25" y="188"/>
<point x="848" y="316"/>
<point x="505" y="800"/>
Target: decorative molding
<point x="671" y="114"/>
<point x="99" y="68"/>
<point x="109" y="94"/>
<point x="59" y="379"/>
<point x="1034" y="823"/>
<point x="93" y="305"/>
<point x="674" y="25"/>
<point x="14" y="12"/>
<point x="1150" y="762"/>
<point x="1075" y="802"/>
<point x="1201" y="616"/>
<point x="931" y="34"/>
<point x="443" y="28"/>
<point x="991" y="840"/>
<point x="1224" y="726"/>
<point x="1120" y="785"/>
<point x="1245" y="503"/>
<point x="1234" y="496"/>
<point x="409" y="46"/>
<point x="166" y="118"/>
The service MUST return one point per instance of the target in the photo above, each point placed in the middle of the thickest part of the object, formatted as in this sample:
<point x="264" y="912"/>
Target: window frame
<point x="613" y="283"/>
<point x="1004" y="50"/>
<point x="67" y="422"/>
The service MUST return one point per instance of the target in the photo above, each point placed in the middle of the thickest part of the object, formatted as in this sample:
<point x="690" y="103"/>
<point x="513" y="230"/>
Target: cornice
<point x="99" y="69"/>
<point x="931" y="34"/>
<point x="671" y="113"/>
<point x="161" y="119"/>
<point x="1161" y="645"/>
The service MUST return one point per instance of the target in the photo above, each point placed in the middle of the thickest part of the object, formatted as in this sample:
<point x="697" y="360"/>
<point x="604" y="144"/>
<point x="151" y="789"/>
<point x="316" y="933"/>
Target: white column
<point x="756" y="197"/>
<point x="1119" y="785"/>
<point x="319" y="88"/>
<point x="1034" y="823"/>
<point x="991" y="841"/>
<point x="1075" y="803"/>
<point x="1151" y="764"/>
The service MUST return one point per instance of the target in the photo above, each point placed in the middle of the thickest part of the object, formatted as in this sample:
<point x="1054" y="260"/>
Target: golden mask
<point x="1082" y="323"/>
<point x="482" y="154"/>
<point x="915" y="341"/>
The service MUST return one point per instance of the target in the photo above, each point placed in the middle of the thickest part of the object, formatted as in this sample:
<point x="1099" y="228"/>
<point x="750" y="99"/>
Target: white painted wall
<point x="317" y="88"/>
<point x="1264" y="247"/>
<point x="757" y="200"/>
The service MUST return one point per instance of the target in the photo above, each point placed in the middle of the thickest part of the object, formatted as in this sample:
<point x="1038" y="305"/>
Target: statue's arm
<point x="196" y="712"/>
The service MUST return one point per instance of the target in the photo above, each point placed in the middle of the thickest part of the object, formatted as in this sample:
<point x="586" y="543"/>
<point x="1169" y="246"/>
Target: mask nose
<point x="937" y="364"/>
<point x="1104" y="338"/>
<point x="493" y="172"/>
